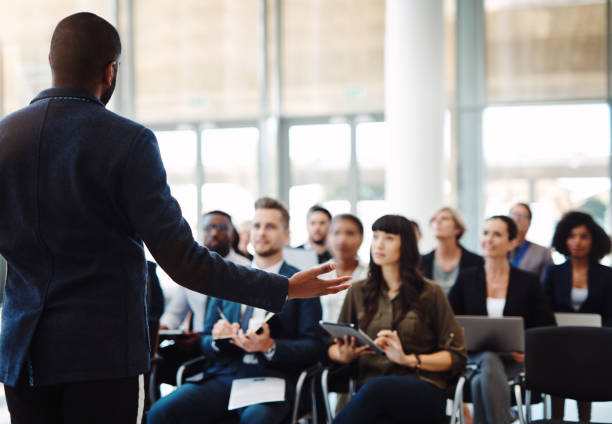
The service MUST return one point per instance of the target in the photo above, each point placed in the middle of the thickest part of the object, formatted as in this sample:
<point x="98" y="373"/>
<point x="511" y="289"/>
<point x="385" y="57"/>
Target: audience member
<point x="344" y="240"/>
<point x="218" y="234"/>
<point x="497" y="289"/>
<point x="410" y="318"/>
<point x="244" y="238"/>
<point x="290" y="342"/>
<point x="444" y="263"/>
<point x="581" y="284"/>
<point x="318" y="220"/>
<point x="527" y="255"/>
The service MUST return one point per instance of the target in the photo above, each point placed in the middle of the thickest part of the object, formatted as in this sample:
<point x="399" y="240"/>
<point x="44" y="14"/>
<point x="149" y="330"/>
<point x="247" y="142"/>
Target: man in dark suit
<point x="290" y="342"/>
<point x="82" y="189"/>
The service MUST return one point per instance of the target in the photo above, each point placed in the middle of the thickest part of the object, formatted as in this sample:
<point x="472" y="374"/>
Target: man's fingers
<point x="336" y="289"/>
<point x="321" y="269"/>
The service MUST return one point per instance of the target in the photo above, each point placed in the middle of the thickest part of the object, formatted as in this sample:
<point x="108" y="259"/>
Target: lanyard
<point x="520" y="254"/>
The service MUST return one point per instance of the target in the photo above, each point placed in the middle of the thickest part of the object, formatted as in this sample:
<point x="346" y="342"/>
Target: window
<point x="555" y="156"/>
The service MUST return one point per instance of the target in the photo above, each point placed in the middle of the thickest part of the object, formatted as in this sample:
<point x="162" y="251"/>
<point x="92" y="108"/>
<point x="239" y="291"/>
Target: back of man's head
<point x="82" y="46"/>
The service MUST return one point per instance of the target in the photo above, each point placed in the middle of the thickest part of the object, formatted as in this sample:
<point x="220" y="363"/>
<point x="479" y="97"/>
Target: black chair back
<point x="571" y="362"/>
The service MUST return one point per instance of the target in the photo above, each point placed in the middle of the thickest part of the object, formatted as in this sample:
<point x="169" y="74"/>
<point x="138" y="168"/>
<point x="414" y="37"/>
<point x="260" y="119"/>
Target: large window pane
<point x="545" y="49"/>
<point x="230" y="156"/>
<point x="320" y="159"/>
<point x="196" y="59"/>
<point x="25" y="36"/>
<point x="555" y="157"/>
<point x="179" y="153"/>
<point x="333" y="56"/>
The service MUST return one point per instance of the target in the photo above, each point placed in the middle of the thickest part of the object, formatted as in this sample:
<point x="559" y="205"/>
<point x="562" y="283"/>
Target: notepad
<point x="250" y="391"/>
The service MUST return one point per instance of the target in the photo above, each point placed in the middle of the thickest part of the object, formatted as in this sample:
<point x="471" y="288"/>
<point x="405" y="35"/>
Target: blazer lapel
<point x="566" y="284"/>
<point x="596" y="288"/>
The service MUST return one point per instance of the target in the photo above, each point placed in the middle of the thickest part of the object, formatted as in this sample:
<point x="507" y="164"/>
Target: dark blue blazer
<point x="468" y="260"/>
<point x="558" y="286"/>
<point x="295" y="330"/>
<point x="525" y="297"/>
<point x="82" y="188"/>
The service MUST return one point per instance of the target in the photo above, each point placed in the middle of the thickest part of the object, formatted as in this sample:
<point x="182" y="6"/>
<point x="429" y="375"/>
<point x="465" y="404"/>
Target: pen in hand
<point x="222" y="314"/>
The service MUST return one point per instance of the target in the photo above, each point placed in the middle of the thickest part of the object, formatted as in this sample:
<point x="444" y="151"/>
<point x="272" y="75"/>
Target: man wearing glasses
<point x="218" y="235"/>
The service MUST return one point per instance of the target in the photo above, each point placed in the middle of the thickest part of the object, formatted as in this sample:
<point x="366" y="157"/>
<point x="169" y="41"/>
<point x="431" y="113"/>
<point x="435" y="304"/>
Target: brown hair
<point x="270" y="203"/>
<point x="413" y="282"/>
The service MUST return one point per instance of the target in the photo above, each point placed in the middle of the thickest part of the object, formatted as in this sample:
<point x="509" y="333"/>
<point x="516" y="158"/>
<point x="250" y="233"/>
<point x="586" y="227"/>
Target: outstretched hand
<point x="305" y="284"/>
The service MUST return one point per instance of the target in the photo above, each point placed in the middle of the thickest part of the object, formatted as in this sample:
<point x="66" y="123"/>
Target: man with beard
<point x="290" y="341"/>
<point x="318" y="220"/>
<point x="83" y="190"/>
<point x="218" y="235"/>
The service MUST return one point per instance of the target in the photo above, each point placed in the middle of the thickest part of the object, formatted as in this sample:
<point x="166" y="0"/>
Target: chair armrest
<point x="187" y="369"/>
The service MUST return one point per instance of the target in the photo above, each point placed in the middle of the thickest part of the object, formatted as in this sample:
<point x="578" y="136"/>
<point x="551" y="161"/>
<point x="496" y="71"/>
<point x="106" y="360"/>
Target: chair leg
<point x="528" y="405"/>
<point x="298" y="394"/>
<point x="519" y="403"/>
<point x="325" y="389"/>
<point x="457" y="408"/>
<point x="313" y="401"/>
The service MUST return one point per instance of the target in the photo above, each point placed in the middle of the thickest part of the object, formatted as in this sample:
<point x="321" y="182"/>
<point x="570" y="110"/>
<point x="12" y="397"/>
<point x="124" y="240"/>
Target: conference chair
<point x="571" y="362"/>
<point x="191" y="371"/>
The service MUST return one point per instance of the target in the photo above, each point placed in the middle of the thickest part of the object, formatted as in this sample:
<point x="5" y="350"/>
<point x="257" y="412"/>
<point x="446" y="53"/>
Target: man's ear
<point x="109" y="73"/>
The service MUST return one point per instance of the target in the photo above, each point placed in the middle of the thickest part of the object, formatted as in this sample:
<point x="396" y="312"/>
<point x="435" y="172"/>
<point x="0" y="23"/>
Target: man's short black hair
<point x="317" y="208"/>
<point x="600" y="245"/>
<point x="82" y="46"/>
<point x="218" y="212"/>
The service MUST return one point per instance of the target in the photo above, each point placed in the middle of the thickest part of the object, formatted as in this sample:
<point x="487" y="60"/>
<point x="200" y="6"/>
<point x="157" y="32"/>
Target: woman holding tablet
<point x="496" y="289"/>
<point x="411" y="320"/>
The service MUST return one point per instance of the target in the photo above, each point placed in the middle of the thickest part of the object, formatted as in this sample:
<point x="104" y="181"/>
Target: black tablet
<point x="339" y="330"/>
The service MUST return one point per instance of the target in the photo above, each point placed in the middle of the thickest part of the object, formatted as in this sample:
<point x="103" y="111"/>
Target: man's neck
<point x="265" y="262"/>
<point x="317" y="247"/>
<point x="522" y="238"/>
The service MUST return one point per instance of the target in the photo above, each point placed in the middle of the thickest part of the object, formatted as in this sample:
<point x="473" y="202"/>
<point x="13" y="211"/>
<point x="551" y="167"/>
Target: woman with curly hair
<point x="581" y="283"/>
<point x="411" y="320"/>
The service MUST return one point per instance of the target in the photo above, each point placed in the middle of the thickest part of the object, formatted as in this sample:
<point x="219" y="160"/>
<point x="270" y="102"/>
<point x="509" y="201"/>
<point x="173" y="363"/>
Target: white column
<point x="414" y="109"/>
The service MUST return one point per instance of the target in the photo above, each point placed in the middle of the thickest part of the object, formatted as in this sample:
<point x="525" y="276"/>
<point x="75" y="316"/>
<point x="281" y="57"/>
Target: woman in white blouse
<point x="497" y="289"/>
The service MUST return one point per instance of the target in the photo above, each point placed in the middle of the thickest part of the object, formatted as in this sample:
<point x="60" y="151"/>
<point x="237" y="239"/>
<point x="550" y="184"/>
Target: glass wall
<point x="553" y="156"/>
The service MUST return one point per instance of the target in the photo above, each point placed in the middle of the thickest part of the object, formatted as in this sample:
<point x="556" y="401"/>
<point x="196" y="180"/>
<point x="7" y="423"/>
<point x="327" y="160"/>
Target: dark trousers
<point x="117" y="401"/>
<point x="395" y="399"/>
<point x="206" y="403"/>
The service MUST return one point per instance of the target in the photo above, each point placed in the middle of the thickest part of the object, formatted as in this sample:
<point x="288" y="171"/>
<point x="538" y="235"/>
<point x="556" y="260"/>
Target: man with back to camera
<point x="527" y="255"/>
<point x="292" y="341"/>
<point x="218" y="234"/>
<point x="82" y="189"/>
<point x="318" y="220"/>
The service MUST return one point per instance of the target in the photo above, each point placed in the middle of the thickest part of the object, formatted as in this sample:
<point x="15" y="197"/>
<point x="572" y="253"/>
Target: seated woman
<point x="344" y="240"/>
<point x="496" y="289"/>
<point x="449" y="258"/>
<point x="410" y="318"/>
<point x="581" y="284"/>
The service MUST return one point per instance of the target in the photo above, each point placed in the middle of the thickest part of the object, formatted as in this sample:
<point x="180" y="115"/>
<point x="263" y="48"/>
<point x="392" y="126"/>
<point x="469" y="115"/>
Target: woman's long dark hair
<point x="410" y="274"/>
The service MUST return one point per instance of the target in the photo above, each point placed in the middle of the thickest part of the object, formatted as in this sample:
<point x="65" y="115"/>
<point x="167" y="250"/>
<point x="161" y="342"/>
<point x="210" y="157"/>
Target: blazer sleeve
<point x="456" y="295"/>
<point x="540" y="304"/>
<point x="305" y="347"/>
<point x="151" y="210"/>
<point x="606" y="316"/>
<point x="450" y="334"/>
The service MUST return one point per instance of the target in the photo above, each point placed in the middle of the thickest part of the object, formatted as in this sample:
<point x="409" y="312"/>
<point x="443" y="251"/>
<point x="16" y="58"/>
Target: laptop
<point x="575" y="319"/>
<point x="483" y="333"/>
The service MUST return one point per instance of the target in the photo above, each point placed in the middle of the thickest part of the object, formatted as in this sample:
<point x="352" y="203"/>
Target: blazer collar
<point x="75" y="93"/>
